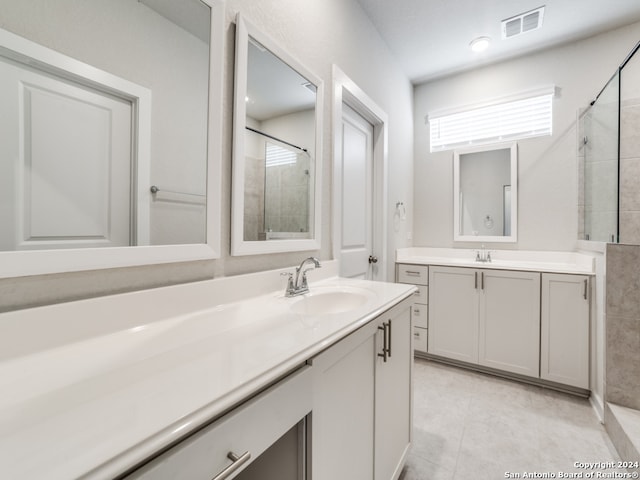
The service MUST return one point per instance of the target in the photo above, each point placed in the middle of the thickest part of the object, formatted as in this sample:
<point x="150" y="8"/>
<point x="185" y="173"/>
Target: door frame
<point x="346" y="91"/>
<point x="47" y="61"/>
<point x="40" y="262"/>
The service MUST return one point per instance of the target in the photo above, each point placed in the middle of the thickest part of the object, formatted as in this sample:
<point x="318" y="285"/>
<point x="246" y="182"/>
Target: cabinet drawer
<point x="422" y="295"/>
<point x="419" y="315"/>
<point x="420" y="339"/>
<point x="253" y="427"/>
<point x="414" y="274"/>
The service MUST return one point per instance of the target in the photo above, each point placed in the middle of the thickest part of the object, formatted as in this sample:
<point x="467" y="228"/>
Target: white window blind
<point x="277" y="155"/>
<point x="522" y="118"/>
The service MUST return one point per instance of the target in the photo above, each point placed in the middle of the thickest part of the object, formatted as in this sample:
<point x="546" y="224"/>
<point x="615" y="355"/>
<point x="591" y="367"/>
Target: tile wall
<point x="287" y="196"/>
<point x="630" y="171"/>
<point x="254" y="199"/>
<point x="623" y="325"/>
<point x="622" y="379"/>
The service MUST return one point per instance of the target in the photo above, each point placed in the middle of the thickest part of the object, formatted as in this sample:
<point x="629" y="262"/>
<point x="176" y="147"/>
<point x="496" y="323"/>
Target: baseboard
<point x="581" y="392"/>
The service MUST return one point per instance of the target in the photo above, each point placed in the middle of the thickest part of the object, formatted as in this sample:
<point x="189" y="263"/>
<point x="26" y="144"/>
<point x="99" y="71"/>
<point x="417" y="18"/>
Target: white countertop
<point x="536" y="261"/>
<point x="90" y="388"/>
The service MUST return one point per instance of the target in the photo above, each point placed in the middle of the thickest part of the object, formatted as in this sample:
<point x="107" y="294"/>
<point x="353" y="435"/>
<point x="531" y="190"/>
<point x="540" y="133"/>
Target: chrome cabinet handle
<point x="412" y="272"/>
<point x="482" y="280"/>
<point x="475" y="275"/>
<point x="586" y="281"/>
<point x="384" y="342"/>
<point x="373" y="259"/>
<point x="238" y="461"/>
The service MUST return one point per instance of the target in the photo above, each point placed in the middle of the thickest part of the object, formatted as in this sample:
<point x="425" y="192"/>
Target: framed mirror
<point x="111" y="144"/>
<point x="485" y="194"/>
<point x="277" y="149"/>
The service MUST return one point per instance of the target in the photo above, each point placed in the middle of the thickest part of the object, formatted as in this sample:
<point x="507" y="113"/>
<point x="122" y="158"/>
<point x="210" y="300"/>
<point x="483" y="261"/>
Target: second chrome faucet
<point x="483" y="255"/>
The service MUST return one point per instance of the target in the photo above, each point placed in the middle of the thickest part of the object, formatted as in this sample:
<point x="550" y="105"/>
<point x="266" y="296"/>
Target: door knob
<point x="373" y="259"/>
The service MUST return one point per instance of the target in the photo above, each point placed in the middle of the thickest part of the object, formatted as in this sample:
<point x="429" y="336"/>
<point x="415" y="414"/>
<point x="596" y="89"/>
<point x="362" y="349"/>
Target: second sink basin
<point x="328" y="301"/>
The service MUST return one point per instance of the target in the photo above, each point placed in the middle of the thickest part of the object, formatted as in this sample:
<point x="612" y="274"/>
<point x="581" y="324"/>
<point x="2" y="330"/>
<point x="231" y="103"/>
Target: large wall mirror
<point x="485" y="201"/>
<point x="110" y="138"/>
<point x="277" y="145"/>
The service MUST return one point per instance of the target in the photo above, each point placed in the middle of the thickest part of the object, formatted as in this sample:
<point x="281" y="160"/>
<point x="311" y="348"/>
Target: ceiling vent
<point x="523" y="23"/>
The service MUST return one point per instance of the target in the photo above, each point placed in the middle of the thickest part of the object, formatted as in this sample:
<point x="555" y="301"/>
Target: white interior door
<point x="65" y="163"/>
<point x="356" y="244"/>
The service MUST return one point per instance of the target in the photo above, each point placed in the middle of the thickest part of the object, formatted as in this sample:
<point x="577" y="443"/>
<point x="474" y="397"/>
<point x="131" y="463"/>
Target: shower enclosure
<point x="610" y="204"/>
<point x="610" y="167"/>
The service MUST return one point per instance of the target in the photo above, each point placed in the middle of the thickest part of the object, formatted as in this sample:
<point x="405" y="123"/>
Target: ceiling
<point x="430" y="38"/>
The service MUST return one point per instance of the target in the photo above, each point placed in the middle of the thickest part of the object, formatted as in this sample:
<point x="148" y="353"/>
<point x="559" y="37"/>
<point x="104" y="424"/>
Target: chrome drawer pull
<point x="238" y="461"/>
<point x="412" y="272"/>
<point x="384" y="342"/>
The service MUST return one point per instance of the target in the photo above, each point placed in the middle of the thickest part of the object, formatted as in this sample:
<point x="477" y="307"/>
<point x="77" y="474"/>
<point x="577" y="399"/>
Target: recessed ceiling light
<point x="480" y="44"/>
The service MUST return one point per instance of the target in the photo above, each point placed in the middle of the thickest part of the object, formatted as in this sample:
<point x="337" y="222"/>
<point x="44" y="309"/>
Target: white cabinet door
<point x="565" y="329"/>
<point x="453" y="313"/>
<point x="343" y="408"/>
<point x="393" y="397"/>
<point x="509" y="337"/>
<point x="362" y="413"/>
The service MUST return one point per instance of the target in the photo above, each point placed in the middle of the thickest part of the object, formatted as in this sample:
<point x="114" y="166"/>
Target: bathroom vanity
<point x="524" y="314"/>
<point x="226" y="378"/>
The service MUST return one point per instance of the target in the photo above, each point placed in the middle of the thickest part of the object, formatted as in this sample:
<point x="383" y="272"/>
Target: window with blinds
<point x="275" y="155"/>
<point x="522" y="118"/>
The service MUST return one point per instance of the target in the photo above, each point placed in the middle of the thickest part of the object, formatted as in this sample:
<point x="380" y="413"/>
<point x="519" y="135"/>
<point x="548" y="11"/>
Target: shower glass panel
<point x="278" y="189"/>
<point x="601" y="127"/>
<point x="286" y="192"/>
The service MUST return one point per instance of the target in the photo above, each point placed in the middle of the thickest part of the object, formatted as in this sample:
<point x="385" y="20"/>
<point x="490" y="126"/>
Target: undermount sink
<point x="325" y="302"/>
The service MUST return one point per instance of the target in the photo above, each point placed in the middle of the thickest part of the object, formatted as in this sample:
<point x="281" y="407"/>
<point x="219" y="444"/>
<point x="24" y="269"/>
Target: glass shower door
<point x="601" y="127"/>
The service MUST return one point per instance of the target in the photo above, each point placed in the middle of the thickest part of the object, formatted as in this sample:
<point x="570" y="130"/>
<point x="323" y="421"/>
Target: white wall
<point x="547" y="173"/>
<point x="129" y="40"/>
<point x="318" y="33"/>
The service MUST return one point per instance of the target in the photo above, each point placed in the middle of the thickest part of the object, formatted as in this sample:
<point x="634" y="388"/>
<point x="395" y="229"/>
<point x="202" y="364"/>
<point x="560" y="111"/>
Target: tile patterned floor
<point x="468" y="425"/>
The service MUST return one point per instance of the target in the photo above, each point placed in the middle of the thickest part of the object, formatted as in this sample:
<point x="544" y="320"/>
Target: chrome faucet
<point x="483" y="255"/>
<point x="300" y="285"/>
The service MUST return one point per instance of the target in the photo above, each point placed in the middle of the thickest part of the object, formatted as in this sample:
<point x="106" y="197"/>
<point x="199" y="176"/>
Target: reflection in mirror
<point x="103" y="101"/>
<point x="277" y="190"/>
<point x="485" y="194"/>
<point x="506" y="210"/>
<point x="280" y="103"/>
<point x="275" y="149"/>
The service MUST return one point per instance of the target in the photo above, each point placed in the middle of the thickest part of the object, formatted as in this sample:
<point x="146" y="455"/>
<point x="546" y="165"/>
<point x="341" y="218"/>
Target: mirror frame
<point x="239" y="246"/>
<point x="39" y="262"/>
<point x="457" y="233"/>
